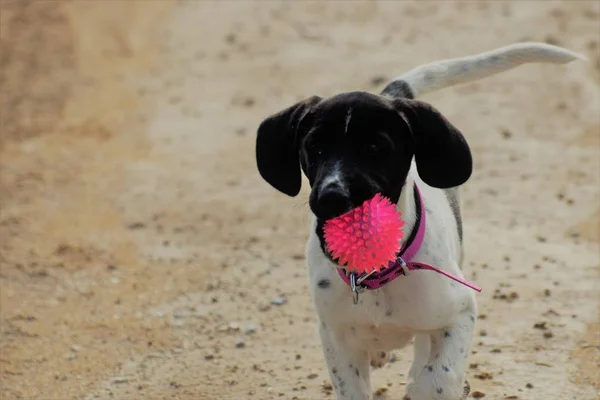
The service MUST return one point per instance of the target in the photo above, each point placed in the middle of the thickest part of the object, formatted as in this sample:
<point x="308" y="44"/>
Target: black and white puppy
<point x="354" y="145"/>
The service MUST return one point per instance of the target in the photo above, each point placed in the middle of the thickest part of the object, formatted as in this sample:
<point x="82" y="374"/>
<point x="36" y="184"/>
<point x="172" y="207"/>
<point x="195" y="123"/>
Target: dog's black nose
<point x="333" y="201"/>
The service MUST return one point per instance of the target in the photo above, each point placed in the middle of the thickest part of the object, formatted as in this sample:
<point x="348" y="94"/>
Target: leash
<point x="403" y="264"/>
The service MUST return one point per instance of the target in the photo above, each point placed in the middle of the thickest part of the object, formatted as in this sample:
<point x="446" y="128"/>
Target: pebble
<point x="251" y="329"/>
<point x="279" y="301"/>
<point x="484" y="376"/>
<point x="240" y="344"/>
<point x="540" y="325"/>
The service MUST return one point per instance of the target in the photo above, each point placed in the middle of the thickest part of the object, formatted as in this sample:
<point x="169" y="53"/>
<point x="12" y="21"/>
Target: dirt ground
<point x="142" y="257"/>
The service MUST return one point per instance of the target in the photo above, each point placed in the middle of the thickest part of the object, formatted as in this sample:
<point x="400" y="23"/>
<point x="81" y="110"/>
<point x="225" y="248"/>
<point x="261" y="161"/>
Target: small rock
<point x="478" y="395"/>
<point x="136" y="225"/>
<point x="279" y="301"/>
<point x="250" y="329"/>
<point x="551" y="312"/>
<point x="529" y="386"/>
<point x="484" y="376"/>
<point x="312" y="376"/>
<point x="540" y="325"/>
<point x="548" y="335"/>
<point x="483" y="332"/>
<point x="240" y="344"/>
<point x="120" y="379"/>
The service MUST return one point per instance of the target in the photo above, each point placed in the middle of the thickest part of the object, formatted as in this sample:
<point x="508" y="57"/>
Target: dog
<point x="353" y="146"/>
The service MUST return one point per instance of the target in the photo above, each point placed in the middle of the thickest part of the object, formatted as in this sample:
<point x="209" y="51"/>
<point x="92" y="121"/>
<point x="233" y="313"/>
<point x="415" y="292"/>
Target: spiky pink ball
<point x="366" y="238"/>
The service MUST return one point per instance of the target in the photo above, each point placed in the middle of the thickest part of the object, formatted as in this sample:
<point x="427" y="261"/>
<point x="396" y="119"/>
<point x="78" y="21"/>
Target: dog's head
<point x="354" y="145"/>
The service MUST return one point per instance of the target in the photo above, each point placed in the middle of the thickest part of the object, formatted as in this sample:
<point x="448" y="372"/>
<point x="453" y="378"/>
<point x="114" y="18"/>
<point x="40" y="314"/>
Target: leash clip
<point x="355" y="285"/>
<point x="403" y="266"/>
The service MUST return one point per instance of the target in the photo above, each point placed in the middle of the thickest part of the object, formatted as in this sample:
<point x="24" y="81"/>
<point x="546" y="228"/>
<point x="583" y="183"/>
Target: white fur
<point x="437" y="312"/>
<point x="443" y="73"/>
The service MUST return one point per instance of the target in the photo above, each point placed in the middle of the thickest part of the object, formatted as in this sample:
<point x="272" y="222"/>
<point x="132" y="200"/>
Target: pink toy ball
<point x="366" y="238"/>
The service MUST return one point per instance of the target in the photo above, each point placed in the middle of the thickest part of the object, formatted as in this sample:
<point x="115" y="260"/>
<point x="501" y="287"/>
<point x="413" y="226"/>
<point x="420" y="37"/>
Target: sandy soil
<point x="142" y="257"/>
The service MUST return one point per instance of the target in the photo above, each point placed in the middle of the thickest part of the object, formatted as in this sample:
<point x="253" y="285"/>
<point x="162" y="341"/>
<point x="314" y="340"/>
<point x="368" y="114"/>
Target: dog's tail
<point x="441" y="74"/>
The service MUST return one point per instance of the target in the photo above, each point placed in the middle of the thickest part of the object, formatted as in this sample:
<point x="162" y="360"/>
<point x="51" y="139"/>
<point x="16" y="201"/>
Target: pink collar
<point x="403" y="263"/>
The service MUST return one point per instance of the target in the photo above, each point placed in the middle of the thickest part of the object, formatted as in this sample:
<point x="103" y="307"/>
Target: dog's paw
<point x="379" y="358"/>
<point x="437" y="382"/>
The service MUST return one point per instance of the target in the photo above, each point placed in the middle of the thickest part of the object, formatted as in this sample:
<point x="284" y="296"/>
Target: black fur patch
<point x="452" y="196"/>
<point x="398" y="89"/>
<point x="324" y="283"/>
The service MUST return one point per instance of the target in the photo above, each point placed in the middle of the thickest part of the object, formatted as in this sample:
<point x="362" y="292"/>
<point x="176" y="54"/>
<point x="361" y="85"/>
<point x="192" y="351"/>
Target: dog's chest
<point x="373" y="323"/>
<point x="416" y="302"/>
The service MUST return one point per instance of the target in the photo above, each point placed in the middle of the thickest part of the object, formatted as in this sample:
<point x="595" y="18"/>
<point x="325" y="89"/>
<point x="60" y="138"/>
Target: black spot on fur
<point x="446" y="369"/>
<point x="334" y="371"/>
<point x="388" y="313"/>
<point x="356" y="371"/>
<point x="382" y="354"/>
<point x="472" y="318"/>
<point x="447" y="334"/>
<point x="440" y="390"/>
<point x="398" y="89"/>
<point x="377" y="303"/>
<point x="324" y="283"/>
<point x="429" y="368"/>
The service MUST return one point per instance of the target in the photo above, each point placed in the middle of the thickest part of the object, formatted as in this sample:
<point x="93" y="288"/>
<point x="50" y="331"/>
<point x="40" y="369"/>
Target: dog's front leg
<point x="442" y="378"/>
<point x="348" y="367"/>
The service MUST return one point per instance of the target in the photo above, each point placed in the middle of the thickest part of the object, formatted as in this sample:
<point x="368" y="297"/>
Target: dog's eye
<point x="373" y="148"/>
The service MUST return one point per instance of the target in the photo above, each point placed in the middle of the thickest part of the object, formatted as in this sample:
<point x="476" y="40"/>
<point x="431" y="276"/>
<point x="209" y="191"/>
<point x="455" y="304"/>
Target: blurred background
<point x="142" y="257"/>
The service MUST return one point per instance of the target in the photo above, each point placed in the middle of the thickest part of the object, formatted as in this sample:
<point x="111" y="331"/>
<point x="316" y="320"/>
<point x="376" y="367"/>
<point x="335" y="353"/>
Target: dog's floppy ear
<point x="277" y="153"/>
<point x="442" y="154"/>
